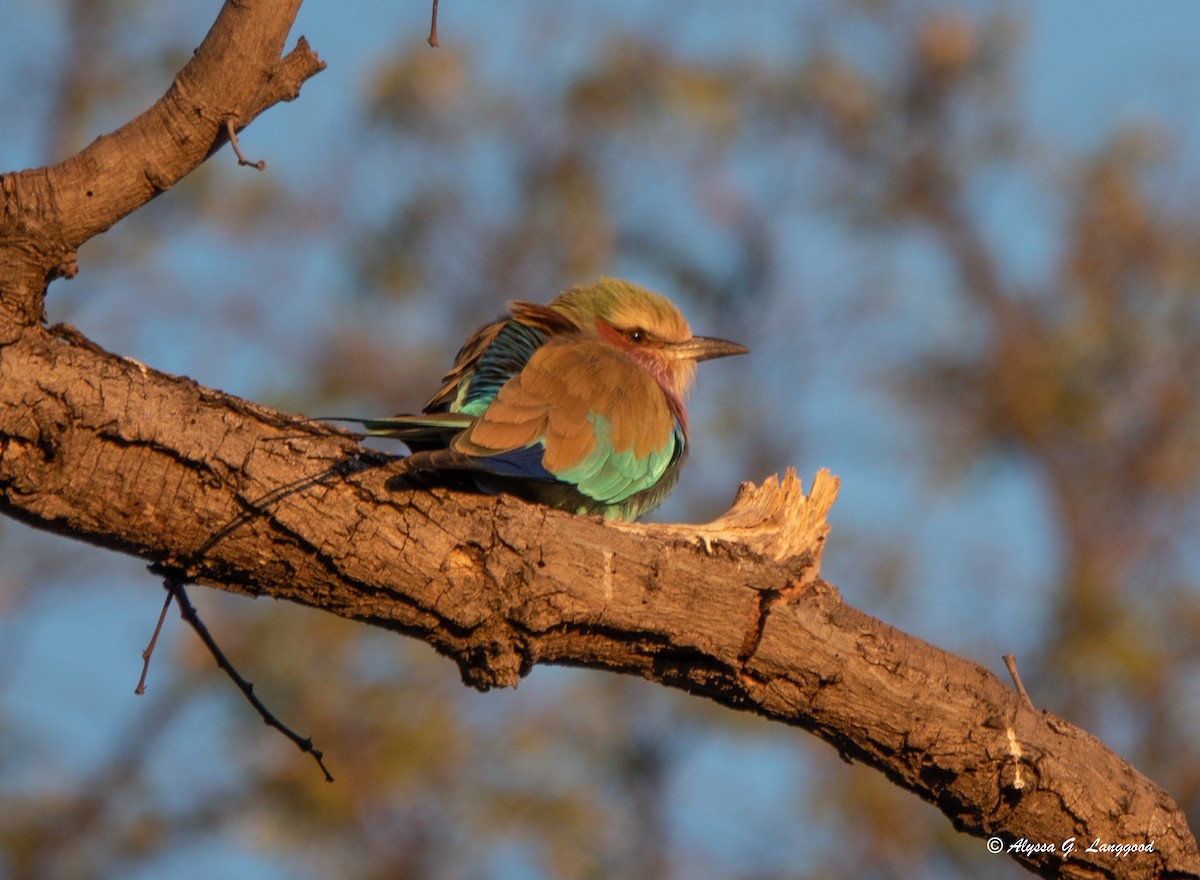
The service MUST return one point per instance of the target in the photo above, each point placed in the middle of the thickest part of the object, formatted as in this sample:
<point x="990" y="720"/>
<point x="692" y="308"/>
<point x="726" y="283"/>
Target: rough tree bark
<point x="217" y="490"/>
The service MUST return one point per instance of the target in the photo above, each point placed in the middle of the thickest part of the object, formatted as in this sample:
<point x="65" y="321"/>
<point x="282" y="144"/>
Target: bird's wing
<point x="495" y="353"/>
<point x="580" y="412"/>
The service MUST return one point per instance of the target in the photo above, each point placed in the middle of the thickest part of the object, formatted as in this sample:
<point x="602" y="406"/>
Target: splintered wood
<point x="775" y="520"/>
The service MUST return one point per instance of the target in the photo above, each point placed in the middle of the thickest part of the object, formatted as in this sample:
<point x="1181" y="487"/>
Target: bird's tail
<point x="428" y="430"/>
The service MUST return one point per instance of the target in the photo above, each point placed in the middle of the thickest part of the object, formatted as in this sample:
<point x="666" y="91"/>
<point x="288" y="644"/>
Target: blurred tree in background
<point x="994" y="340"/>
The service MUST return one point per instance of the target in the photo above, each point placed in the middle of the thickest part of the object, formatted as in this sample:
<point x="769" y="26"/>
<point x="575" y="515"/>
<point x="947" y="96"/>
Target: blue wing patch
<point x="503" y="359"/>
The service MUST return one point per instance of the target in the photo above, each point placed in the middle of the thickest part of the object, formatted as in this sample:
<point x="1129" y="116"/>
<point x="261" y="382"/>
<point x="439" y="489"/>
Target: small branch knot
<point x="492" y="661"/>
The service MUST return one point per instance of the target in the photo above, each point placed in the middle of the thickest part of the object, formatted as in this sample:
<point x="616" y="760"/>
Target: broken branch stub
<point x="775" y="520"/>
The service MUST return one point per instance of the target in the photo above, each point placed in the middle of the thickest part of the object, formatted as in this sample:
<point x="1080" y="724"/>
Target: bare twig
<point x="170" y="586"/>
<point x="261" y="164"/>
<point x="433" y="40"/>
<point x="1011" y="662"/>
<point x="305" y="744"/>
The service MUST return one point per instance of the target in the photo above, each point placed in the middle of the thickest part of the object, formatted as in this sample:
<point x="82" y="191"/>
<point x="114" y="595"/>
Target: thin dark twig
<point x="170" y="586"/>
<point x="433" y="41"/>
<point x="1011" y="662"/>
<point x="305" y="744"/>
<point x="261" y="164"/>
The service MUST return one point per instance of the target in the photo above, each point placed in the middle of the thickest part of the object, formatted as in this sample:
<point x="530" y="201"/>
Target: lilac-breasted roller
<point x="578" y="404"/>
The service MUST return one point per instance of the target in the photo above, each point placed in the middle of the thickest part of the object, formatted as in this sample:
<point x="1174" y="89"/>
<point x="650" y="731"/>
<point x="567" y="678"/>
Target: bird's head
<point x="645" y="325"/>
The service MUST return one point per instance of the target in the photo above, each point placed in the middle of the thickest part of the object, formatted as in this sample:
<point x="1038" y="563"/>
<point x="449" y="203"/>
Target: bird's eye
<point x="637" y="334"/>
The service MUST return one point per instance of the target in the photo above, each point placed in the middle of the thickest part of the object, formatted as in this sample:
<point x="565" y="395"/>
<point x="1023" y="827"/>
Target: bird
<point x="577" y="404"/>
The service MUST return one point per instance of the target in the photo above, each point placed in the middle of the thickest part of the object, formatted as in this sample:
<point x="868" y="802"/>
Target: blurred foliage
<point x="830" y="206"/>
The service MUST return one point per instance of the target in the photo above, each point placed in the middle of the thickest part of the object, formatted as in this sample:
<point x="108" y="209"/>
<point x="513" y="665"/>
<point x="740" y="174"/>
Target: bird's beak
<point x="704" y="348"/>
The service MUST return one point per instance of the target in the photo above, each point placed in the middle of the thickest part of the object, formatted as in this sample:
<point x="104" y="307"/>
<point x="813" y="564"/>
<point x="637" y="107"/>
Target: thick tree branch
<point x="47" y="213"/>
<point x="218" y="490"/>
